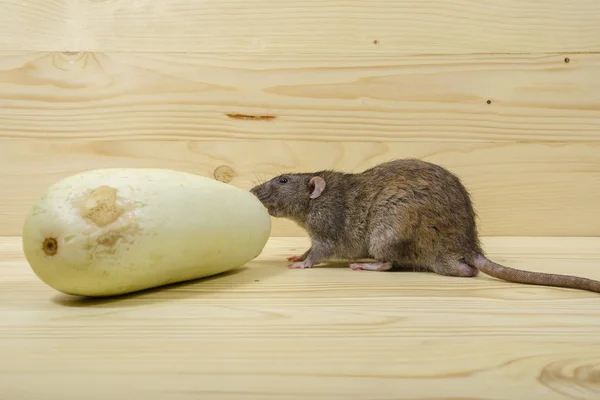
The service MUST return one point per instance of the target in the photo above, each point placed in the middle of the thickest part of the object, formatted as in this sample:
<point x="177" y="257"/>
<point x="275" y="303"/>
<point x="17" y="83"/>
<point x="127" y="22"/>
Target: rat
<point x="400" y="213"/>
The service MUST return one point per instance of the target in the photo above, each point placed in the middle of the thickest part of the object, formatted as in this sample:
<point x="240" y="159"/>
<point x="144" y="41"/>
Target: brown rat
<point x="404" y="212"/>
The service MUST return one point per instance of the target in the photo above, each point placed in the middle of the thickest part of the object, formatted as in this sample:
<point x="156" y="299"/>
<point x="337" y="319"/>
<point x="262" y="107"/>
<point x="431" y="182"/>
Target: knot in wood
<point x="224" y="173"/>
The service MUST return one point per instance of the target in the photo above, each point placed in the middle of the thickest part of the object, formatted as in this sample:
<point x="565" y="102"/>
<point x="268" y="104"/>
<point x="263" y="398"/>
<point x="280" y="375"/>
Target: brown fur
<point x="403" y="212"/>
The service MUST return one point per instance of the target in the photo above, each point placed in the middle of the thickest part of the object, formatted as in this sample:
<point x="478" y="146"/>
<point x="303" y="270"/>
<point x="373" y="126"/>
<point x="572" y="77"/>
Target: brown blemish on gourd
<point x="224" y="173"/>
<point x="114" y="218"/>
<point x="50" y="246"/>
<point x="101" y="206"/>
<point x="123" y="232"/>
<point x="109" y="238"/>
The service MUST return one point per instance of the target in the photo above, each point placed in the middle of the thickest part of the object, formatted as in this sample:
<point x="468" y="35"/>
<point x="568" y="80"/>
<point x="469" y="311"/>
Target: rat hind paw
<point x="379" y="266"/>
<point x="301" y="265"/>
<point x="453" y="267"/>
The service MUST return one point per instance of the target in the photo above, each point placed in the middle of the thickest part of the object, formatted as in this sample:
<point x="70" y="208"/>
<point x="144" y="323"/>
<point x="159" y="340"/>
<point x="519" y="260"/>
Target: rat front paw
<point x="296" y="258"/>
<point x="301" y="265"/>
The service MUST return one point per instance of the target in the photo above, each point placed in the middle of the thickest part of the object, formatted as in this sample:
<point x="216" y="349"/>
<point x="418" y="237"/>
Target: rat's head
<point x="289" y="195"/>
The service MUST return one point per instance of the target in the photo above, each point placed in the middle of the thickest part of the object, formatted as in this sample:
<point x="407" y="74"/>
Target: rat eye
<point x="283" y="179"/>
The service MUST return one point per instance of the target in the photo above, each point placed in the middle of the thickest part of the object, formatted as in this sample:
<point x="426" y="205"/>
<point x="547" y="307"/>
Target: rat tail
<point x="533" y="278"/>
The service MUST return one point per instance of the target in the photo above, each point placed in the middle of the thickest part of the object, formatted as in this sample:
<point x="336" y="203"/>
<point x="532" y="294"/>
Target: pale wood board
<point x="547" y="189"/>
<point x="263" y="331"/>
<point x="311" y="97"/>
<point x="290" y="26"/>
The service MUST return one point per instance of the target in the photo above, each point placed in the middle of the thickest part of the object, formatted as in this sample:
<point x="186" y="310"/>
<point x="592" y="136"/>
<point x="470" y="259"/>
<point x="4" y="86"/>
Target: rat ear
<point x="317" y="185"/>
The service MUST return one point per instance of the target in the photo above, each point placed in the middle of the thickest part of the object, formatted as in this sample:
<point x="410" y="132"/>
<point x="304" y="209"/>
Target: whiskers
<point x="261" y="179"/>
<point x="258" y="179"/>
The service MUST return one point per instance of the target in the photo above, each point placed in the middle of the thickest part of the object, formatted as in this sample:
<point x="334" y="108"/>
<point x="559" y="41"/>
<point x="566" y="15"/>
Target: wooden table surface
<point x="266" y="332"/>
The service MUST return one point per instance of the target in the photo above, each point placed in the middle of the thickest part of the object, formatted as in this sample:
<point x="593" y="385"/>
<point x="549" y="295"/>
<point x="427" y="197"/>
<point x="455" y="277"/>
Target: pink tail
<point x="534" y="278"/>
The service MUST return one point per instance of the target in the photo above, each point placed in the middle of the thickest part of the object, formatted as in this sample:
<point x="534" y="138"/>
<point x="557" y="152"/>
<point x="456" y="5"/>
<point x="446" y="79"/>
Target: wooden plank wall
<point x="506" y="94"/>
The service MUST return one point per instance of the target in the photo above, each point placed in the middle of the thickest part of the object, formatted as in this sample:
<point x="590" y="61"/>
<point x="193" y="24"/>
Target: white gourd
<point x="119" y="230"/>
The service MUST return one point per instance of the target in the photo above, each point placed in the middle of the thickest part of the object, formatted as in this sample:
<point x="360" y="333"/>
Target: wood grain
<point x="263" y="331"/>
<point x="311" y="26"/>
<point x="548" y="189"/>
<point x="321" y="98"/>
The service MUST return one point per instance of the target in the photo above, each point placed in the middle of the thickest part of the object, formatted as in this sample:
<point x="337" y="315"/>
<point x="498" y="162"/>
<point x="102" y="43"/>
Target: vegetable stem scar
<point x="50" y="246"/>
